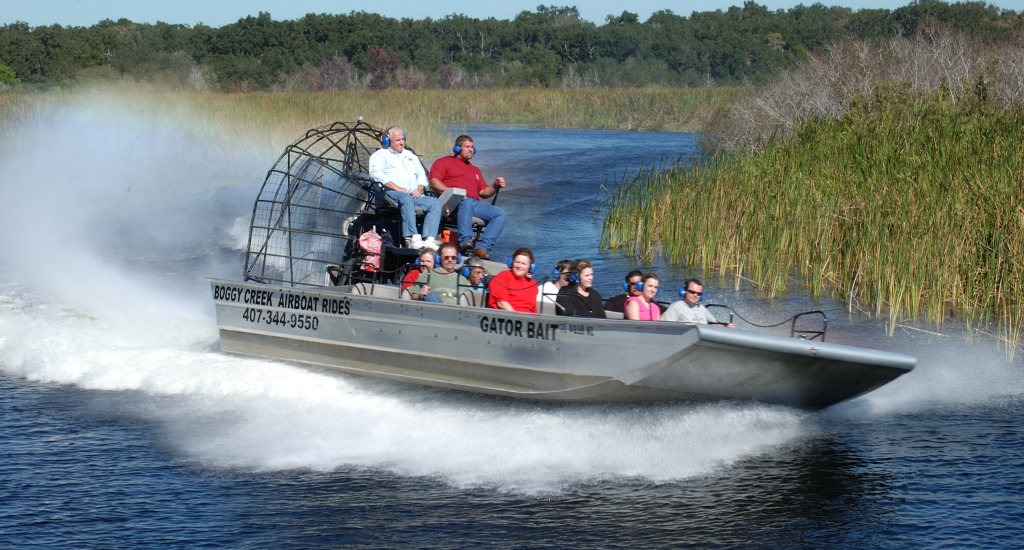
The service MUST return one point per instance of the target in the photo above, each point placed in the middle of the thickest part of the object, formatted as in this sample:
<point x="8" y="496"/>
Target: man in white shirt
<point x="689" y="309"/>
<point x="548" y="292"/>
<point x="404" y="181"/>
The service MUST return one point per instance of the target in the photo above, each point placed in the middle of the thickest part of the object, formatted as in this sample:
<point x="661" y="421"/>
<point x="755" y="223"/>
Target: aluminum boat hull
<point x="539" y="356"/>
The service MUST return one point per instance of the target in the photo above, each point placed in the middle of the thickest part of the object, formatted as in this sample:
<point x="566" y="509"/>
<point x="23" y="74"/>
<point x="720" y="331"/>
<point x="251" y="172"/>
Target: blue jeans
<point x="433" y="297"/>
<point x="431" y="207"/>
<point x="494" y="216"/>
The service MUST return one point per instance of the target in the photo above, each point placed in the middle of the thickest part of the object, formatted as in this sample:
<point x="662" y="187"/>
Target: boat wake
<point x="258" y="415"/>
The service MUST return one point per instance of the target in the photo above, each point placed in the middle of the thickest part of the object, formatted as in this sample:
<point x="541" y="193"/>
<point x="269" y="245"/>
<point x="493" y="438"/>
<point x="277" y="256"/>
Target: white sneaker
<point x="430" y="243"/>
<point x="414" y="242"/>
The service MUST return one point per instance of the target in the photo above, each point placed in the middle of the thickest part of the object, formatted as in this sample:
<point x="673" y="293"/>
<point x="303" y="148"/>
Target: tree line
<point x="551" y="46"/>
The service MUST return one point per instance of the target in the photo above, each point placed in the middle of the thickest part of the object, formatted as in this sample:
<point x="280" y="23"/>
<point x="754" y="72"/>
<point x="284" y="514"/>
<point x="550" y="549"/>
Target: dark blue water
<point x="555" y="183"/>
<point x="121" y="424"/>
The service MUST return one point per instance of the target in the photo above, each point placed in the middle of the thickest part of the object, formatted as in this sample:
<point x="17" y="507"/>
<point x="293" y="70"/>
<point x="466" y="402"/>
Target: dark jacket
<point x="575" y="304"/>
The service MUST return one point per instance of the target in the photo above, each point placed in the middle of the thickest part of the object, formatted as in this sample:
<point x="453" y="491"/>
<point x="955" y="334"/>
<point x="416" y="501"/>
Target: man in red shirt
<point x="457" y="171"/>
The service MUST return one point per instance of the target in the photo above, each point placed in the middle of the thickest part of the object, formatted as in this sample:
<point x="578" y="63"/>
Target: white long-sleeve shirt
<point x="403" y="169"/>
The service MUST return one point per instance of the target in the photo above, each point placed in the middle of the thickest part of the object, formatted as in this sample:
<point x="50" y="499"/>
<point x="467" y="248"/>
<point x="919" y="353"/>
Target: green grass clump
<point x="909" y="203"/>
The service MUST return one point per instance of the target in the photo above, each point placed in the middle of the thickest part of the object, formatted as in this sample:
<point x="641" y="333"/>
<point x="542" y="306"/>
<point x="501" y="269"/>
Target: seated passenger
<point x="689" y="309"/>
<point x="474" y="271"/>
<point x="549" y="290"/>
<point x="618" y="303"/>
<point x="404" y="180"/>
<point x="457" y="171"/>
<point x="425" y="263"/>
<point x="514" y="290"/>
<point x="441" y="284"/>
<point x="580" y="299"/>
<point x="642" y="307"/>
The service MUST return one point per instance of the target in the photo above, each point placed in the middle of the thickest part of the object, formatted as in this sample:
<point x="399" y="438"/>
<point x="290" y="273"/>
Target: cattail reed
<point x="911" y="204"/>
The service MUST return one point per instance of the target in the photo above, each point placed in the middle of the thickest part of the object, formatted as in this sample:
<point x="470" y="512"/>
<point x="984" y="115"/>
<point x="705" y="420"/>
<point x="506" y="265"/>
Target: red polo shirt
<point x="455" y="172"/>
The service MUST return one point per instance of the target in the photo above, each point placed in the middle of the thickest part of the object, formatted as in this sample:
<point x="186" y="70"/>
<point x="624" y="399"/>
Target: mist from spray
<point x="86" y="178"/>
<point x="111" y="223"/>
<point x="950" y="373"/>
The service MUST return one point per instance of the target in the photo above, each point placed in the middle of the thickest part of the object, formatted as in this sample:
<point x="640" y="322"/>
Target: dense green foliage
<point x="551" y="46"/>
<point x="910" y="204"/>
<point x="7" y="75"/>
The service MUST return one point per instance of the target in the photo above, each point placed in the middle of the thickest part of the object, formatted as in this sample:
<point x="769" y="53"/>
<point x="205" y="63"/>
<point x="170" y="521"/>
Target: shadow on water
<point x="815" y="493"/>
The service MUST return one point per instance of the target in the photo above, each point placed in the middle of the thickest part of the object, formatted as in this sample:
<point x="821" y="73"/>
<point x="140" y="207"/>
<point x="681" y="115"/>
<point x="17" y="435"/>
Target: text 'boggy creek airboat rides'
<point x="312" y="293"/>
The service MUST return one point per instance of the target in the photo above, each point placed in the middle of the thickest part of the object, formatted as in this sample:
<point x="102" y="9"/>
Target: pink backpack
<point x="370" y="243"/>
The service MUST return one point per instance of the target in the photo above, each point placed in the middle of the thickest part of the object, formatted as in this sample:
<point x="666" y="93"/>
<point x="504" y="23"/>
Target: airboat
<point x="310" y="293"/>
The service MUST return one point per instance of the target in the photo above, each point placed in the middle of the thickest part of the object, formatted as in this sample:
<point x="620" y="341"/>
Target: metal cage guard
<point x="314" y="203"/>
<point x="813" y="333"/>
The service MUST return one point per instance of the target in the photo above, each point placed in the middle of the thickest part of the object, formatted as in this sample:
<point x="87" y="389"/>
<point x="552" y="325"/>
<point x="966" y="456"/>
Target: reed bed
<point x="270" y="121"/>
<point x="230" y="123"/>
<point x="910" y="204"/>
<point x="426" y="115"/>
<point x="14" y="109"/>
<point x="633" y="109"/>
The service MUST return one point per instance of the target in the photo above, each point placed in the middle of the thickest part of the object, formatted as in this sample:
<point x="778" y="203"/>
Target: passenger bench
<point x="378" y="291"/>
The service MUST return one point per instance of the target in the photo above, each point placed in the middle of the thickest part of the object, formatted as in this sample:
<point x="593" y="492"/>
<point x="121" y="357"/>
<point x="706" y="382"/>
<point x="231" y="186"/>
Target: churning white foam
<point x="483" y="443"/>
<point x="263" y="415"/>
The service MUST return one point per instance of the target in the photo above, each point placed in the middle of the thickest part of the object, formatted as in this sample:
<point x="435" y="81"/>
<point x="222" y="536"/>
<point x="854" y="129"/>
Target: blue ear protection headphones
<point x="386" y="140"/>
<point x="640" y="287"/>
<point x="573" y="277"/>
<point x="533" y="266"/>
<point x="437" y="259"/>
<point x="458" y="149"/>
<point x="686" y="285"/>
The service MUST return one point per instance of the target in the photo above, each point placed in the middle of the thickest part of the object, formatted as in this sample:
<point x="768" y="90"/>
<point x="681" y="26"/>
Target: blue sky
<point x="221" y="12"/>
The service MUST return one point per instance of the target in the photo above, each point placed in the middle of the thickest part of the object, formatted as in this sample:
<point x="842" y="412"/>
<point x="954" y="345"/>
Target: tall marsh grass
<point x="270" y="121"/>
<point x="228" y="123"/>
<point x="910" y="203"/>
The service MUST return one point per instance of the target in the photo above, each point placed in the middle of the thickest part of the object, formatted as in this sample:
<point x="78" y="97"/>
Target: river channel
<point x="122" y="424"/>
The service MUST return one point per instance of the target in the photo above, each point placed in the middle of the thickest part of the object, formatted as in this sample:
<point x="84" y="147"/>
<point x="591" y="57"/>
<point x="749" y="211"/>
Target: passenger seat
<point x="473" y="298"/>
